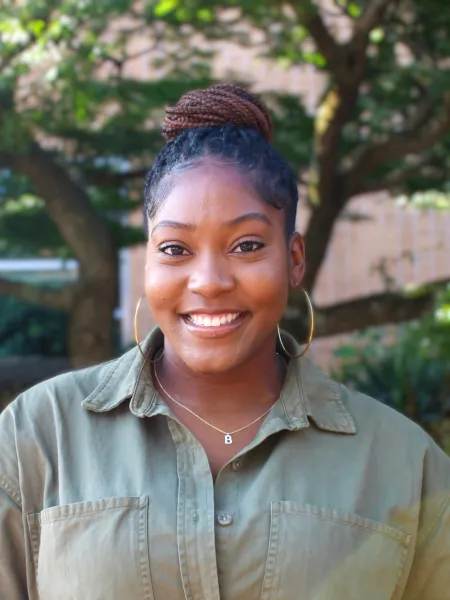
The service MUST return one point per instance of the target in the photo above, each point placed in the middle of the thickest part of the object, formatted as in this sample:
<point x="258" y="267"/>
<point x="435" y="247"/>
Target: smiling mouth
<point x="211" y="321"/>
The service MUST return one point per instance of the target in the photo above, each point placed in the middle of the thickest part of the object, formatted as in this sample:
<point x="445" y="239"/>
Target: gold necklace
<point x="228" y="436"/>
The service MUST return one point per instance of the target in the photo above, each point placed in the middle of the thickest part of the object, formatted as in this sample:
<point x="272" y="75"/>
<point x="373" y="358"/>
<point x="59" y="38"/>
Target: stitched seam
<point x="343" y="411"/>
<point x="342" y="408"/>
<point x="395" y="534"/>
<point x="404" y="538"/>
<point x="302" y="391"/>
<point x="138" y="404"/>
<point x="271" y="561"/>
<point x="85" y="513"/>
<point x="147" y="383"/>
<point x="107" y="380"/>
<point x="401" y="569"/>
<point x="144" y="550"/>
<point x="285" y="410"/>
<point x="34" y="528"/>
<point x="7" y="488"/>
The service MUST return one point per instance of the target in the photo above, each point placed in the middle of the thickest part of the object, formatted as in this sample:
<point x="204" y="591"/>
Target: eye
<point x="173" y="250"/>
<point x="248" y="246"/>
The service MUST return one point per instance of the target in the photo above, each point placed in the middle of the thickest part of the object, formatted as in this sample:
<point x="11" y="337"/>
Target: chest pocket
<point x="321" y="554"/>
<point x="95" y="550"/>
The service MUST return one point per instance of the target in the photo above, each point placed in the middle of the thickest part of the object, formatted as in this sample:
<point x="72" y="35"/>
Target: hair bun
<point x="217" y="105"/>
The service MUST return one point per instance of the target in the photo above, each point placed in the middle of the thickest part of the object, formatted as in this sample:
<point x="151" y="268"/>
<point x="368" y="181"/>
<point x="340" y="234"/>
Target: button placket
<point x="197" y="555"/>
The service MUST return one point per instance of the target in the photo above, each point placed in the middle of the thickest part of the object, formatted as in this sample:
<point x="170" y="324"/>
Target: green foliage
<point x="102" y="121"/>
<point x="29" y="330"/>
<point x="405" y="81"/>
<point x="27" y="230"/>
<point x="410" y="373"/>
<point x="84" y="95"/>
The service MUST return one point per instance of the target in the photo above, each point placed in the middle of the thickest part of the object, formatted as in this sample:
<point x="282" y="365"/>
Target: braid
<point x="214" y="106"/>
<point x="227" y="122"/>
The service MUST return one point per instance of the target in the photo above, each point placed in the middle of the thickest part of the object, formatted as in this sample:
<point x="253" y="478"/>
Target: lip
<point x="206" y="311"/>
<point x="217" y="331"/>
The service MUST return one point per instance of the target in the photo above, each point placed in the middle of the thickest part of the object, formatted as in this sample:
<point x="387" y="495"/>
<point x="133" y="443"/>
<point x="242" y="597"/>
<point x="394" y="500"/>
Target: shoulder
<point x="67" y="388"/>
<point x="391" y="433"/>
<point x="372" y="415"/>
<point x="37" y="420"/>
<point x="61" y="398"/>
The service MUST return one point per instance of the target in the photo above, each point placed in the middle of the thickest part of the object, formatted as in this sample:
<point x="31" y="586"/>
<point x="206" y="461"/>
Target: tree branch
<point x="395" y="148"/>
<point x="318" y="235"/>
<point x="372" y="311"/>
<point x="371" y="17"/>
<point x="40" y="296"/>
<point x="398" y="177"/>
<point x="309" y="16"/>
<point x="69" y="207"/>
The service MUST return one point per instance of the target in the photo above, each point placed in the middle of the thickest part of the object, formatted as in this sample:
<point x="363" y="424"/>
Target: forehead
<point x="212" y="190"/>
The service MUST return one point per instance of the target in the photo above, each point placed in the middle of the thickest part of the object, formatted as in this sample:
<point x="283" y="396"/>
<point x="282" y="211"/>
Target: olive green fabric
<point x="105" y="496"/>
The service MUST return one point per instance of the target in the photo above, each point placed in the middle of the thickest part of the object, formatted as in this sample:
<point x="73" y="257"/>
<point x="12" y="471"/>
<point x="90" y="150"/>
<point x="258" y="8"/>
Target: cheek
<point x="268" y="285"/>
<point x="160" y="288"/>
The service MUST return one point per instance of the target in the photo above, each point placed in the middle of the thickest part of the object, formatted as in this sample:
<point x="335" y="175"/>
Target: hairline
<point x="169" y="181"/>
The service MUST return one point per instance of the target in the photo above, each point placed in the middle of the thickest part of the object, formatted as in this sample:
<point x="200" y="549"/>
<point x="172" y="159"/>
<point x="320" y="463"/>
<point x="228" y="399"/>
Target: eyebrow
<point x="254" y="216"/>
<point x="172" y="225"/>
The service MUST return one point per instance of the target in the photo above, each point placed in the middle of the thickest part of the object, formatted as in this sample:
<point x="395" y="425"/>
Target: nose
<point x="211" y="276"/>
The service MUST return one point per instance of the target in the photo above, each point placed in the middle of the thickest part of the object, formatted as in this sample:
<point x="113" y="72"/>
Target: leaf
<point x="36" y="27"/>
<point x="354" y="10"/>
<point x="164" y="7"/>
<point x="205" y="15"/>
<point x="345" y="352"/>
<point x="376" y="36"/>
<point x="314" y="58"/>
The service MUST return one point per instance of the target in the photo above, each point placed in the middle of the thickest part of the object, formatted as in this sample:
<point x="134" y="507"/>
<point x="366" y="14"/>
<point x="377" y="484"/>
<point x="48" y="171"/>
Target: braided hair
<point x="228" y="123"/>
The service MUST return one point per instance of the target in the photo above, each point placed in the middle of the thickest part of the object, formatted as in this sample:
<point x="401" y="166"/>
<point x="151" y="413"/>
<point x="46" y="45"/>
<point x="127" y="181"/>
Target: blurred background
<point x="360" y="94"/>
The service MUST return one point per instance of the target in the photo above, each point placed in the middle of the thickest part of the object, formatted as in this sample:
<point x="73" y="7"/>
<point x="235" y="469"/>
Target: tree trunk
<point x="91" y="326"/>
<point x="90" y="334"/>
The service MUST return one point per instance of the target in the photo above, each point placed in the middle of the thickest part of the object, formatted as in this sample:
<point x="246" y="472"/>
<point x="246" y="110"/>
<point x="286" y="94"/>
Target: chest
<point x="219" y="448"/>
<point x="144" y="520"/>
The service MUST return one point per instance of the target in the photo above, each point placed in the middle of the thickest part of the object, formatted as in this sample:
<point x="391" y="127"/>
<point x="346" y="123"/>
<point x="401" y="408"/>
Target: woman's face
<point x="218" y="268"/>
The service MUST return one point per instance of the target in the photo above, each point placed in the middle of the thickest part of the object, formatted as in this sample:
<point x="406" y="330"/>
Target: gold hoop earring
<point x="136" y="336"/>
<point x="311" y="331"/>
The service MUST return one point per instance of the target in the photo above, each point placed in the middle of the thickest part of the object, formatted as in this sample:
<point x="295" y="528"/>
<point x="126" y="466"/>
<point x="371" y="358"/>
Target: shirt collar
<point x="307" y="395"/>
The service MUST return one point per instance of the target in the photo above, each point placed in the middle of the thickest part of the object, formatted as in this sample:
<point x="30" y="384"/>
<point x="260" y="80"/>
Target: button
<point x="224" y="519"/>
<point x="236" y="464"/>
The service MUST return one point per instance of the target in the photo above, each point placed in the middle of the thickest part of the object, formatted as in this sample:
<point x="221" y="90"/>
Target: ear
<point x="297" y="260"/>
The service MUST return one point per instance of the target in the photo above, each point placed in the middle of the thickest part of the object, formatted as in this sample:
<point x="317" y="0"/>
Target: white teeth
<point x="207" y="321"/>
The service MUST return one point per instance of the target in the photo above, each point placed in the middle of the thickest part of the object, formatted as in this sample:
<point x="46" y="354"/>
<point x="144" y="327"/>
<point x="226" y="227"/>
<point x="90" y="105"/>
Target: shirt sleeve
<point x="12" y="550"/>
<point x="430" y="572"/>
<point x="13" y="578"/>
<point x="429" y="577"/>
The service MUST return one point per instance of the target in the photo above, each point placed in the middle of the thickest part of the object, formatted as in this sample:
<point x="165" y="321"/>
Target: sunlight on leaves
<point x="376" y="35"/>
<point x="442" y="314"/>
<point x="164" y="7"/>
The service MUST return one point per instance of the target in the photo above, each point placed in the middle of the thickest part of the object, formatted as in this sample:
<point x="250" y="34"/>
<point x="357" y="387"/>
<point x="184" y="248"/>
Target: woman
<point x="219" y="464"/>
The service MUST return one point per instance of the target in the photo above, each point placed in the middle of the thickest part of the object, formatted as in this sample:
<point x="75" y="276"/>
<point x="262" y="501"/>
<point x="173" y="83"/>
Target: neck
<point x="251" y="386"/>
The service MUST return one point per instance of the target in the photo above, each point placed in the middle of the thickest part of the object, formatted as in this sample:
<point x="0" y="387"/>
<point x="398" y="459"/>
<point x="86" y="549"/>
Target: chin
<point x="208" y="365"/>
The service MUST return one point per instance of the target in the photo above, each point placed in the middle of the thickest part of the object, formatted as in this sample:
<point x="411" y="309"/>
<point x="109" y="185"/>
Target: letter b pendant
<point x="228" y="439"/>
